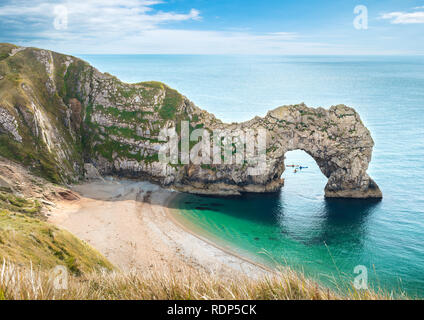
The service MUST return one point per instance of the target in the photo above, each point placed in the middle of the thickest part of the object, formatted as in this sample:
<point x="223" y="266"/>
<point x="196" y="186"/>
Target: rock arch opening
<point x="302" y="174"/>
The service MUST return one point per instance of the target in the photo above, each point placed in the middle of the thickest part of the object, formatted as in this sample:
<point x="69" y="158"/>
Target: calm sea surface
<point x="326" y="239"/>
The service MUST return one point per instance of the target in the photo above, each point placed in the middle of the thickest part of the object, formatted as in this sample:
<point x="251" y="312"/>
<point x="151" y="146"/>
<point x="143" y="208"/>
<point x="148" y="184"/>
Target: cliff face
<point x="58" y="113"/>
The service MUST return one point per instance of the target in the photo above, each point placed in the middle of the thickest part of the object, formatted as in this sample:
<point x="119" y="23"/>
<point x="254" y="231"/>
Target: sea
<point x="340" y="243"/>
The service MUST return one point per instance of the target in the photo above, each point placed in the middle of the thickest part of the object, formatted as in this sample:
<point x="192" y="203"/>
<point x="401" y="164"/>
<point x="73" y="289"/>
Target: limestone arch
<point x="336" y="139"/>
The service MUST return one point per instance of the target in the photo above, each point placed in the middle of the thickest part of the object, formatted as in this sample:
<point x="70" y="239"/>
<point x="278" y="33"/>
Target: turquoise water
<point x="325" y="238"/>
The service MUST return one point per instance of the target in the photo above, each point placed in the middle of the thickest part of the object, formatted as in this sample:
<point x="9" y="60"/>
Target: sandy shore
<point x="130" y="223"/>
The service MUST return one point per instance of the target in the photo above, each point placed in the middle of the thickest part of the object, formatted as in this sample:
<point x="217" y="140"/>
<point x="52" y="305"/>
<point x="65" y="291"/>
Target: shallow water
<point x="326" y="238"/>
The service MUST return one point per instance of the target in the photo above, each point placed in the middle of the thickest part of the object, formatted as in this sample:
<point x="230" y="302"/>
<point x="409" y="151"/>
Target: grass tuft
<point x="162" y="283"/>
<point x="25" y="238"/>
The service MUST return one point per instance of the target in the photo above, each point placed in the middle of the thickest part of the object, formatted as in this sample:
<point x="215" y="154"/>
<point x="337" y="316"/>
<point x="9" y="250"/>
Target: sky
<point x="280" y="27"/>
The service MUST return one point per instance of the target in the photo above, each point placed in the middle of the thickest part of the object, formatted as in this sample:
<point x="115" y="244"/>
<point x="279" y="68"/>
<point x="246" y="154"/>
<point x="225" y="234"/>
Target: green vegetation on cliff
<point x="28" y="94"/>
<point x="26" y="238"/>
<point x="50" y="101"/>
<point x="58" y="112"/>
<point x="171" y="102"/>
<point x="40" y="163"/>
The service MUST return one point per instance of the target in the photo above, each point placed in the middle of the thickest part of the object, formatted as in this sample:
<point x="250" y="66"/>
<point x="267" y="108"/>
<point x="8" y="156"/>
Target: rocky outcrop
<point x="336" y="138"/>
<point x="9" y="124"/>
<point x="91" y="173"/>
<point x="67" y="113"/>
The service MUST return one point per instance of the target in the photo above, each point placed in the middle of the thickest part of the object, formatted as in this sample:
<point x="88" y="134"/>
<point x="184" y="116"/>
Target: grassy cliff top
<point x="25" y="235"/>
<point x="25" y="238"/>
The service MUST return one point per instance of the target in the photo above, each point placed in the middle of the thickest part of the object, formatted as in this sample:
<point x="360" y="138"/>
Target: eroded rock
<point x="91" y="172"/>
<point x="85" y="116"/>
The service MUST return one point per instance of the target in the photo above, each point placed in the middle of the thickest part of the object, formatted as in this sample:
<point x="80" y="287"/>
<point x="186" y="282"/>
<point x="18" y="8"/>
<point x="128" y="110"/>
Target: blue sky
<point x="303" y="27"/>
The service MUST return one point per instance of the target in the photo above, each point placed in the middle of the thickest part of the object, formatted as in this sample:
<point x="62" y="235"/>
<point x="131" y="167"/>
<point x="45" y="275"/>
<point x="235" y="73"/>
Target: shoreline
<point x="129" y="222"/>
<point x="210" y="242"/>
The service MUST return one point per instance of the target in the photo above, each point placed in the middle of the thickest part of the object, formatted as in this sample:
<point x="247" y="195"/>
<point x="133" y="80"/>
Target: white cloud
<point x="127" y="26"/>
<point x="95" y="16"/>
<point x="404" y="17"/>
<point x="138" y="26"/>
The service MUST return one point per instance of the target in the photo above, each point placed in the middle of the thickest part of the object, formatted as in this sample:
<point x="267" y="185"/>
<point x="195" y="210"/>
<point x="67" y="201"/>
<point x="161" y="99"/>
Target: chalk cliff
<point x="58" y="114"/>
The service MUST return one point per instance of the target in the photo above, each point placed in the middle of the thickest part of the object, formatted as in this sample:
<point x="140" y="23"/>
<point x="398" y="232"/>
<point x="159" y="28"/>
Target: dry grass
<point x="165" y="284"/>
<point x="24" y="238"/>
